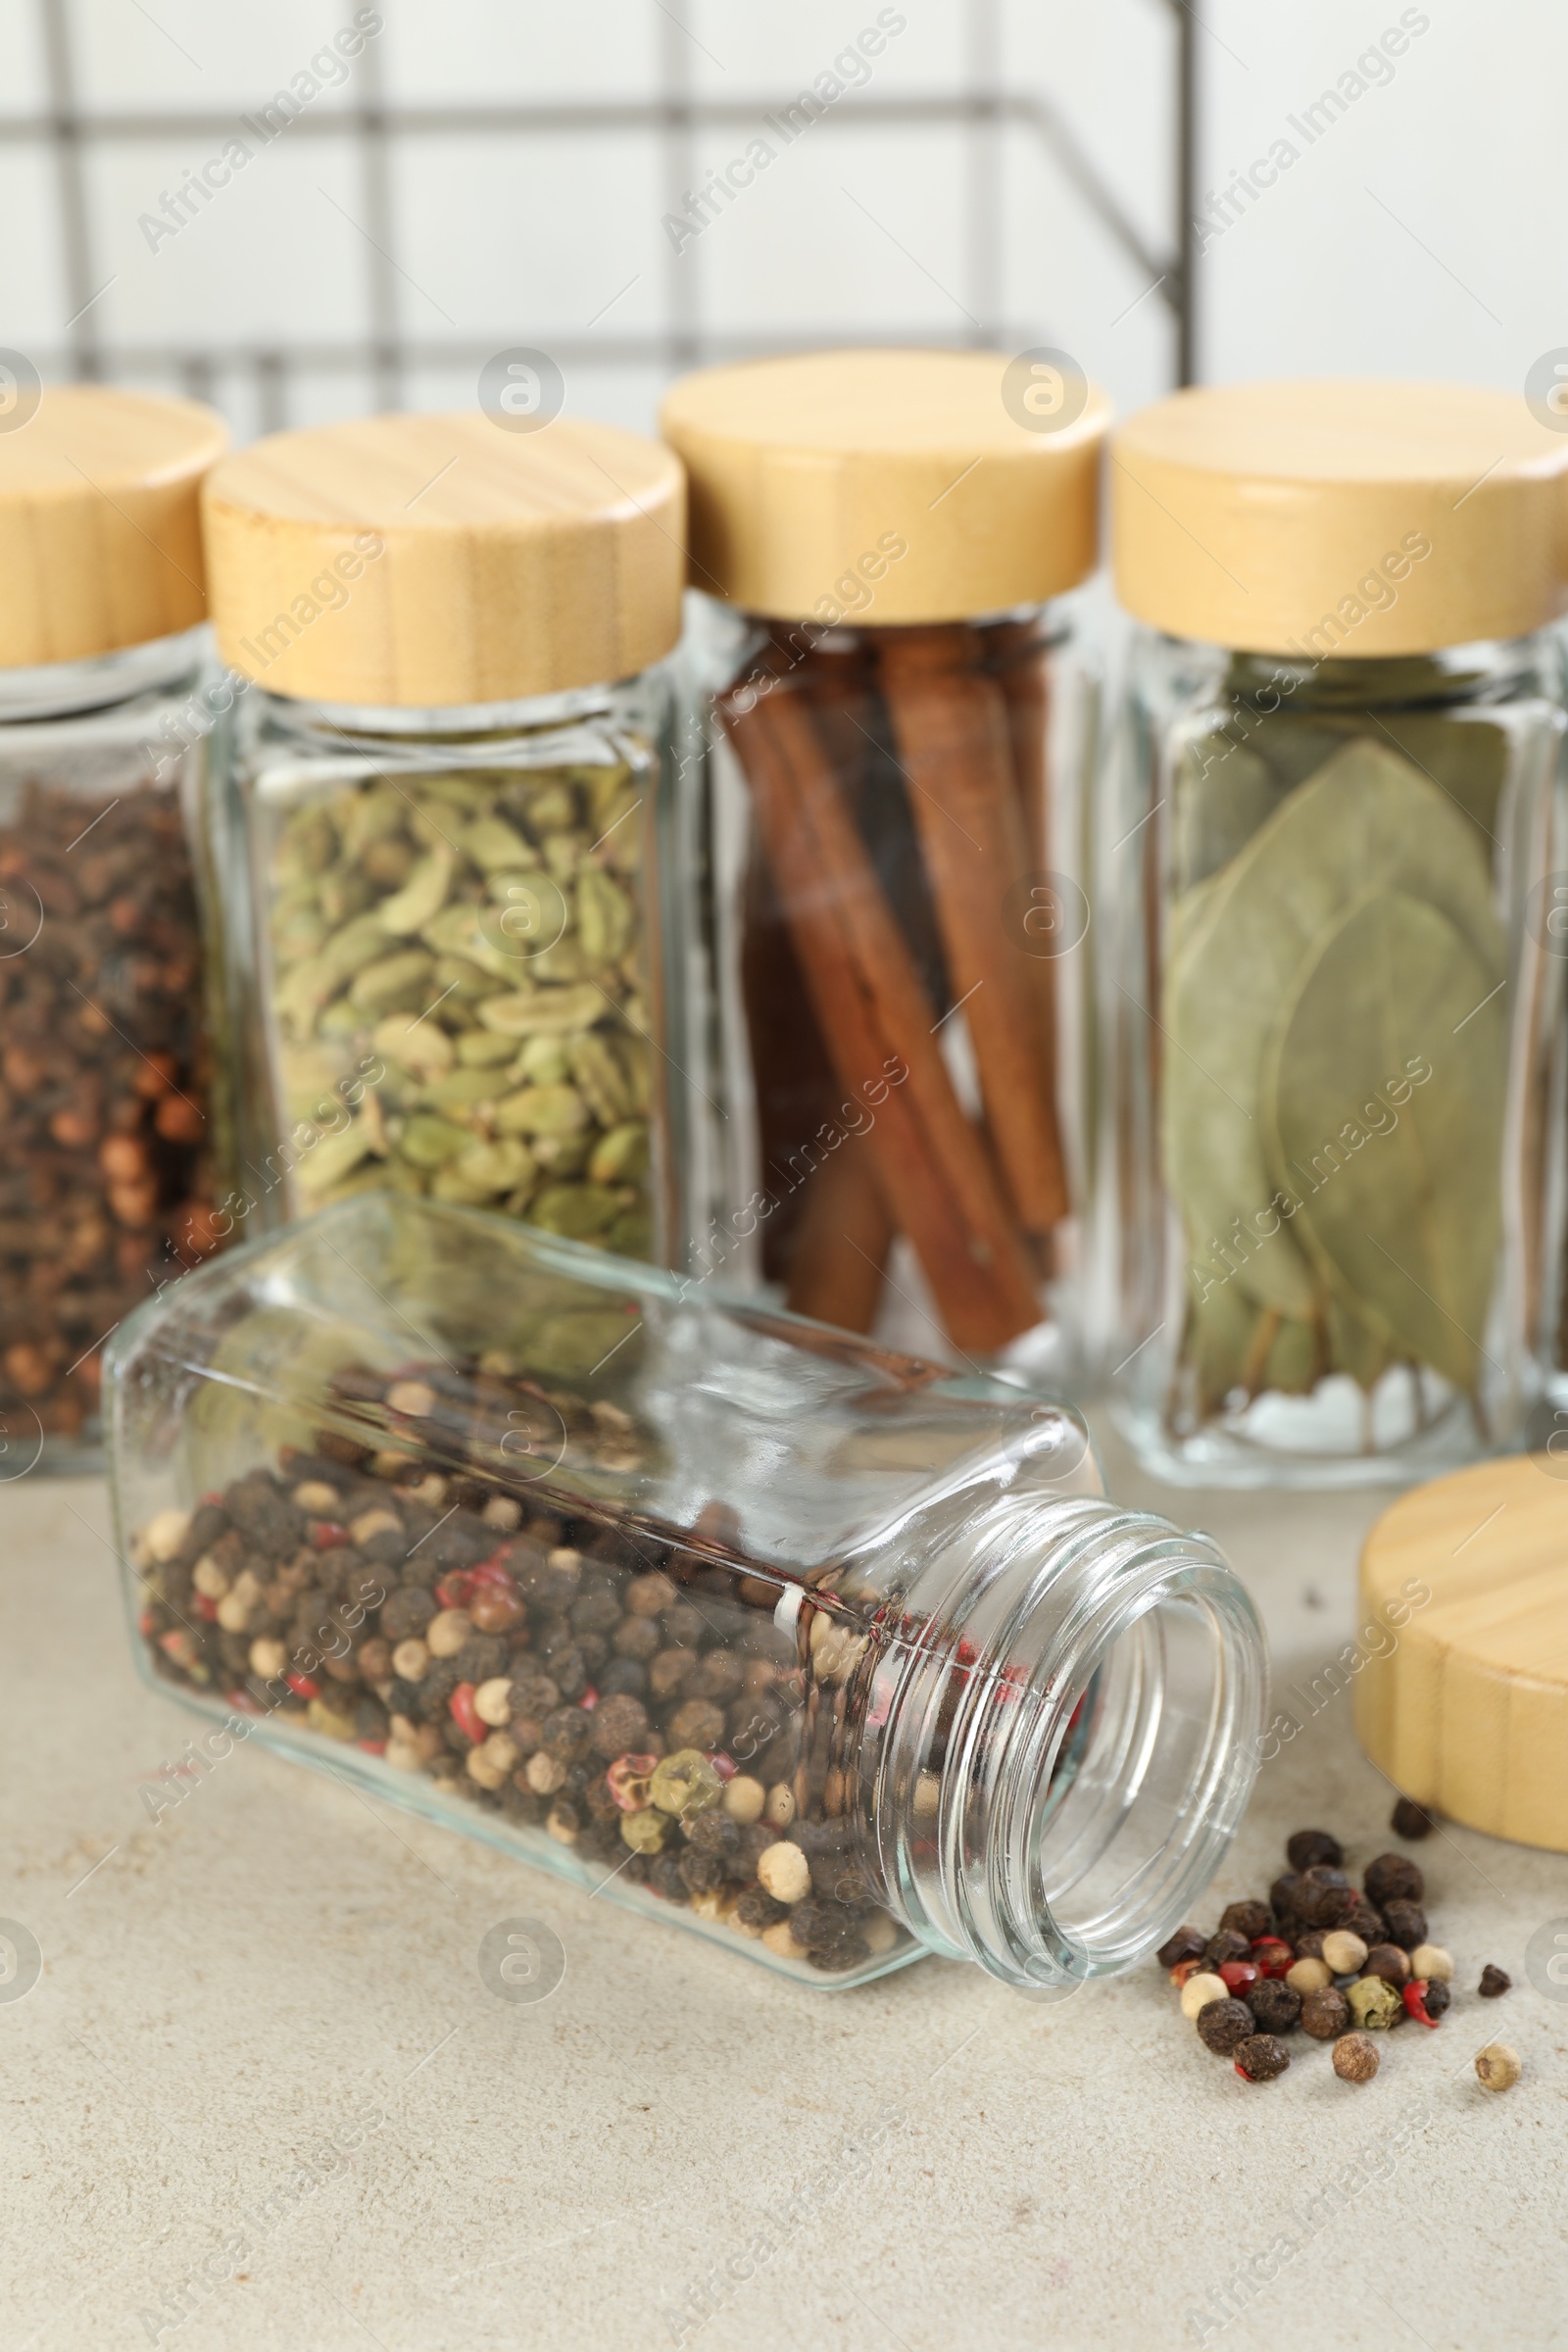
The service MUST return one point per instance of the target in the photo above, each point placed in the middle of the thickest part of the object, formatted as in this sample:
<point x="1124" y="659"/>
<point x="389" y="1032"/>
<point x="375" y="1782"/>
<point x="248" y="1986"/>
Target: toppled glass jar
<point x="830" y="1654"/>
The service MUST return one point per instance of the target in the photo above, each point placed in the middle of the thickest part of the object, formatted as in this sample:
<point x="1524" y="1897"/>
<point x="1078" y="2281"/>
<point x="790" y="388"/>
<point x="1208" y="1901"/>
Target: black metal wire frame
<point x="386" y="354"/>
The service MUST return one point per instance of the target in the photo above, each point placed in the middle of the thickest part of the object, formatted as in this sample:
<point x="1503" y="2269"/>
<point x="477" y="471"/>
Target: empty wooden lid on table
<point x="1462" y="1700"/>
<point x="890" y="487"/>
<point x="443" y="560"/>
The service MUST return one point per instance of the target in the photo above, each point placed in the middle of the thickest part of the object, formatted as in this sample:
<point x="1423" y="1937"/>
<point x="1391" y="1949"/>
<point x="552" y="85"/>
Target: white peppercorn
<point x="492" y="1701"/>
<point x="1344" y="1951"/>
<point x="1497" y="2066"/>
<point x="314" y="1496"/>
<point x="1308" y="1976"/>
<point x="787" y="1875"/>
<point x="743" y="1800"/>
<point x="447" y="1632"/>
<point x="779" y="1810"/>
<point x="1199" y="1989"/>
<point x="1430" y="1960"/>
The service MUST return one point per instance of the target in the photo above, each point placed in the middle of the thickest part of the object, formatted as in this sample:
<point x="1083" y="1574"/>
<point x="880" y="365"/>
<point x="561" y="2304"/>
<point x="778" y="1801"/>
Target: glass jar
<point x="106" y="1121"/>
<point x="1336" y="1024"/>
<point x="438" y="842"/>
<point x="887" y="1023"/>
<point x="827" y="1653"/>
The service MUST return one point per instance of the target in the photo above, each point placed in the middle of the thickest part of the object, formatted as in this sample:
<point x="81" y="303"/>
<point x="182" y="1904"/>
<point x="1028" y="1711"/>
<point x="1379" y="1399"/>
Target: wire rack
<point x="378" y="363"/>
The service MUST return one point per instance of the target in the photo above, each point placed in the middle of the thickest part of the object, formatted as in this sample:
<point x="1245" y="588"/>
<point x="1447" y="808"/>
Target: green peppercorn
<point x="645" y="1831"/>
<point x="1374" y="2004"/>
<point x="684" y="1782"/>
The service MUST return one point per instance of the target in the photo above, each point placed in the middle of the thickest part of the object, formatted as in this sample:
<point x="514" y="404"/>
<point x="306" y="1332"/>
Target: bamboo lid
<point x="885" y="486"/>
<point x="1468" y="1711"/>
<point x="100" y="526"/>
<point x="1340" y="518"/>
<point x="429" y="561"/>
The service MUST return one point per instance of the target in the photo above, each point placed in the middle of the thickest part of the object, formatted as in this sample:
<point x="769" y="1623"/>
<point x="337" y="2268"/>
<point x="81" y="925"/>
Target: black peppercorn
<point x="757" y="1908"/>
<point x="1274" y="2004"/>
<point x="481" y="1657"/>
<point x="1406" y="1923"/>
<point x="1393" y="1876"/>
<point x="567" y="1732"/>
<point x="618" y="1725"/>
<point x="1363" y="1920"/>
<point x="1308" y="1944"/>
<point x="1251" y="1920"/>
<point x="1410" y="1820"/>
<point x="600" y="1799"/>
<point x="1226" y="1945"/>
<point x="664" y="1878"/>
<point x="826" y="1930"/>
<point x="713" y="1832"/>
<point x="1187" y="1943"/>
<point x="1438" y="1996"/>
<point x="1325" y="2014"/>
<point x="1356" y="2058"/>
<point x="407" y="1612"/>
<point x="700" y="1872"/>
<point x="1309" y="1846"/>
<point x="1283" y="1896"/>
<point x="1221" y="2025"/>
<point x="1388" y="1961"/>
<point x="1495" y="1982"/>
<point x="1325" y="1897"/>
<point x="1260" y="2058"/>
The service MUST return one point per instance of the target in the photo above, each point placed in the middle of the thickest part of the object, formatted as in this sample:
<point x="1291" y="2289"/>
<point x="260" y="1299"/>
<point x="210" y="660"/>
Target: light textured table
<point x="259" y="2042"/>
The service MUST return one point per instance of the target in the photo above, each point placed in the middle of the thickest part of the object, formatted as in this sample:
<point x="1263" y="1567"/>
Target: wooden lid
<point x="1343" y="519"/>
<point x="885" y="486"/>
<point x="426" y="562"/>
<point x="1468" y="1711"/>
<point x="100" y="526"/>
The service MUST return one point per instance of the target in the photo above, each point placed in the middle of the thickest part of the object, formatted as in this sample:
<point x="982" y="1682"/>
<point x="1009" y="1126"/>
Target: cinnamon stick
<point x="1018" y="657"/>
<point x="877" y="1021"/>
<point x="842" y="1241"/>
<point x="950" y="723"/>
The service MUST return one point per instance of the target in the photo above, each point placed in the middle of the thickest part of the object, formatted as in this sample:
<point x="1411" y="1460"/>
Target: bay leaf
<point x="1220" y="794"/>
<point x="1220" y="1333"/>
<point x="1404" y="1223"/>
<point x="1464" y="753"/>
<point x="1367" y="818"/>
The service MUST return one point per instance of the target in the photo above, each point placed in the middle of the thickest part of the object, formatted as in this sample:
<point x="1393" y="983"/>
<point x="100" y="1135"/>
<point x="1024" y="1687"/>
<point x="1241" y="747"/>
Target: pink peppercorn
<point x="1272" y="1955"/>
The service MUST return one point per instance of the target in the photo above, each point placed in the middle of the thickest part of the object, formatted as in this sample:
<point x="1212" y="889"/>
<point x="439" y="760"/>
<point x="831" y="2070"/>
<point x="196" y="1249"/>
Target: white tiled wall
<point x="1421" y="233"/>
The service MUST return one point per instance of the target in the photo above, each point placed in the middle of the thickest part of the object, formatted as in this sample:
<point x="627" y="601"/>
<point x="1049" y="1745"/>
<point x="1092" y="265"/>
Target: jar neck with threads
<point x="1058" y="1737"/>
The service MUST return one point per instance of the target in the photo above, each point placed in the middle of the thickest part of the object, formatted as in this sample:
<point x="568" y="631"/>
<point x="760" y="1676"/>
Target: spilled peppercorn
<point x="1338" y="1964"/>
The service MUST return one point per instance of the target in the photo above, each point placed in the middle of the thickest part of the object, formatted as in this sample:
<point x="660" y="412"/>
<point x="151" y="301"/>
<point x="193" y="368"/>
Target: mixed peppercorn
<point x="1338" y="1964"/>
<point x="104" y="1117"/>
<point x="641" y="1701"/>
